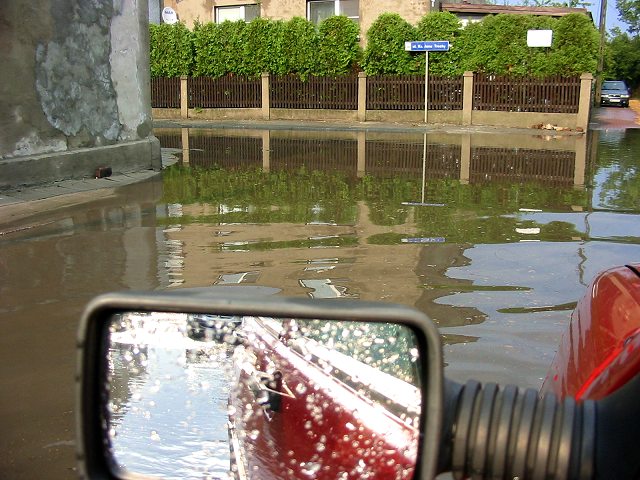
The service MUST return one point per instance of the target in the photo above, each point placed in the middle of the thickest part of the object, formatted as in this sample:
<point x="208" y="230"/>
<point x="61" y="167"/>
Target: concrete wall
<point x="76" y="77"/>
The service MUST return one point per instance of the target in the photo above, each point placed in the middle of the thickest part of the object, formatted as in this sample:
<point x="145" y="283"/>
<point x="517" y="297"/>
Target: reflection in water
<point x="224" y="396"/>
<point x="429" y="227"/>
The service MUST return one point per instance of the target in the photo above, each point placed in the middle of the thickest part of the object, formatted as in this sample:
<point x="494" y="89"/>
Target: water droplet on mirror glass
<point x="301" y="388"/>
<point x="254" y="434"/>
<point x="310" y="468"/>
<point x="154" y="436"/>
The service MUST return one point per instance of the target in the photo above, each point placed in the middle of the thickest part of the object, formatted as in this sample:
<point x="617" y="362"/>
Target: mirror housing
<point x="95" y="459"/>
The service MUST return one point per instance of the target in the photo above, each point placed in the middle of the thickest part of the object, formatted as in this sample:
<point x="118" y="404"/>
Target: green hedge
<point x="496" y="45"/>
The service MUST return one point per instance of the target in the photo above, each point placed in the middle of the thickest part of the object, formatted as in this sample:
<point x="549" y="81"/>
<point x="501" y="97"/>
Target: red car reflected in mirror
<point x="306" y="410"/>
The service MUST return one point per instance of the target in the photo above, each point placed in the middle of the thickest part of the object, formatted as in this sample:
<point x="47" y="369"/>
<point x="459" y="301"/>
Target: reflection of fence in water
<point x="549" y="166"/>
<point x="314" y="154"/>
<point x="226" y="152"/>
<point x="382" y="158"/>
<point x="386" y="159"/>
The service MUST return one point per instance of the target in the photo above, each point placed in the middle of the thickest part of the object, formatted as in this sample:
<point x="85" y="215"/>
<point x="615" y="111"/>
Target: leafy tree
<point x="622" y="60"/>
<point x="385" y="53"/>
<point x="630" y="14"/>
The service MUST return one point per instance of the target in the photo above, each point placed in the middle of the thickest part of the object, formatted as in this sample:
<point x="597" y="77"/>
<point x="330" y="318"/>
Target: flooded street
<point x="494" y="237"/>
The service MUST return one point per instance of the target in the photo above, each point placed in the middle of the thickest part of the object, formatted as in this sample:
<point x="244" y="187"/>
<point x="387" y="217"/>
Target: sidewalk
<point x="21" y="203"/>
<point x="330" y="125"/>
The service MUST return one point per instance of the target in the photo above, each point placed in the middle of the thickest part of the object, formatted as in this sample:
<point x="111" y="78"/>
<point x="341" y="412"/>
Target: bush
<point x="338" y="51"/>
<point x="441" y="26"/>
<point x="218" y="48"/>
<point x="497" y="45"/>
<point x="575" y="46"/>
<point x="296" y="48"/>
<point x="171" y="52"/>
<point x="385" y="52"/>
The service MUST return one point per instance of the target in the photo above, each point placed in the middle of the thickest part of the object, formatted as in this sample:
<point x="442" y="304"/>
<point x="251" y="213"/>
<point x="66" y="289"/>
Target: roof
<point x="486" y="9"/>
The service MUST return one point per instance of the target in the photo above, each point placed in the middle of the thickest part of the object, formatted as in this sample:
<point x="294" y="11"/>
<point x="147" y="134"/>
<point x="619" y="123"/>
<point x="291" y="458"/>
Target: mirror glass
<point x="235" y="397"/>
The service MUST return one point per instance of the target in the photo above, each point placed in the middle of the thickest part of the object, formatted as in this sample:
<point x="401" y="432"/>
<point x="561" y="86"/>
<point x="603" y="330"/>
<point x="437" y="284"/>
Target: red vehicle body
<point x="299" y="414"/>
<point x="600" y="351"/>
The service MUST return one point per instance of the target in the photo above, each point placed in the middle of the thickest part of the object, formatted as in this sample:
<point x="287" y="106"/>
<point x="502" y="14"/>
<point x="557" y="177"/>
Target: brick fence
<point x="471" y="99"/>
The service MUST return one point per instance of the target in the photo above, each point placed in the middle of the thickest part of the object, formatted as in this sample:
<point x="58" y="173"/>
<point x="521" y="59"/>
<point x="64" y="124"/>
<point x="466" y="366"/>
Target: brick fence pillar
<point x="266" y="105"/>
<point x="184" y="97"/>
<point x="584" y="105"/>
<point x="362" y="96"/>
<point x="467" y="98"/>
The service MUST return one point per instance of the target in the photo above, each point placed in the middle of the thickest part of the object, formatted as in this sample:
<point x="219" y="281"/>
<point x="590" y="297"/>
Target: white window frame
<point x="336" y="9"/>
<point x="241" y="8"/>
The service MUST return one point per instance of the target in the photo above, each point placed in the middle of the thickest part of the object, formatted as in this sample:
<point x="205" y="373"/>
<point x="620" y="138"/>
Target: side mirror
<point x="184" y="385"/>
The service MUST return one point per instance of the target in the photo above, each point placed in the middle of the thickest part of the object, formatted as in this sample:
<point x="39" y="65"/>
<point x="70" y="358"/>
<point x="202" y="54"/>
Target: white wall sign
<point x="539" y="38"/>
<point x="169" y="15"/>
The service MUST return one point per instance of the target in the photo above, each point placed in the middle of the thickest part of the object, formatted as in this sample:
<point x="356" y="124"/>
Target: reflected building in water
<point x="363" y="255"/>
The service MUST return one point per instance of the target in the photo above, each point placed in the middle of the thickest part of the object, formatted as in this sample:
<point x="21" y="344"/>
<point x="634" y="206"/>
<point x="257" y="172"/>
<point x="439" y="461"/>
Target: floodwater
<point x="494" y="237"/>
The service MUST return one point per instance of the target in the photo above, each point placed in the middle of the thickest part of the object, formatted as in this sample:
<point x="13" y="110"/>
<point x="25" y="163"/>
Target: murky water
<point x="494" y="237"/>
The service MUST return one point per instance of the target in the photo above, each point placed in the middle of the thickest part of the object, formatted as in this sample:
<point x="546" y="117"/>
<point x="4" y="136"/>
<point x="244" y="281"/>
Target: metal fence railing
<point x="526" y="94"/>
<point x="165" y="92"/>
<point x="337" y="93"/>
<point x="224" y="92"/>
<point x="406" y="92"/>
<point x="383" y="92"/>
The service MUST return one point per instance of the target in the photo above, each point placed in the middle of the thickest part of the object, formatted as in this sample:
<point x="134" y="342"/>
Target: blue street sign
<point x="434" y="46"/>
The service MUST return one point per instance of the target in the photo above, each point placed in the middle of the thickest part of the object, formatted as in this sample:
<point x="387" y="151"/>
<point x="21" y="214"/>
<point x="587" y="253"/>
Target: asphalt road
<point x="604" y="118"/>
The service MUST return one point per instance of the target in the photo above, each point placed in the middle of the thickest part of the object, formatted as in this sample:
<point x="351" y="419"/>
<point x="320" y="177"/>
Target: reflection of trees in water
<point x="618" y="165"/>
<point x="387" y="347"/>
<point x="304" y="196"/>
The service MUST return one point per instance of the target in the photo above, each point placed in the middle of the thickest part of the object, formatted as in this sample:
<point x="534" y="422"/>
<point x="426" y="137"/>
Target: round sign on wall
<point x="169" y="15"/>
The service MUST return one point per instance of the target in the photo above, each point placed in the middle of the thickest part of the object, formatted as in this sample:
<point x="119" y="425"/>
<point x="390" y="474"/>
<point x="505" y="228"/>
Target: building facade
<point x="363" y="12"/>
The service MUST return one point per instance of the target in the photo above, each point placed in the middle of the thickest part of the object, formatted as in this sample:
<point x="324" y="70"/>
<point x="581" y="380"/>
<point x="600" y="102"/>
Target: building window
<point x="236" y="12"/>
<point x="318" y="10"/>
